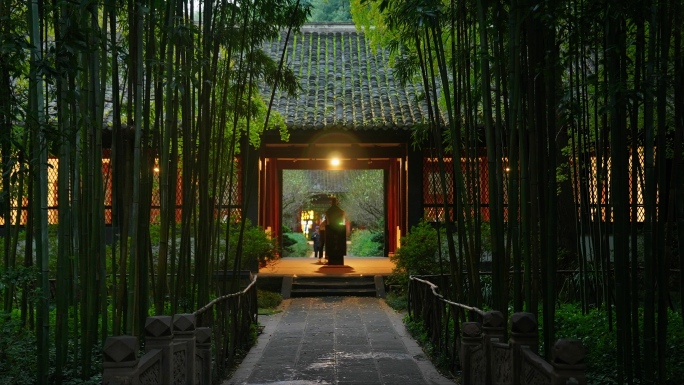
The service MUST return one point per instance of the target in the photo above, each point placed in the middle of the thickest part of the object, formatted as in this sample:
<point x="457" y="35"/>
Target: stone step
<point x="332" y="292"/>
<point x="362" y="286"/>
<point x="319" y="285"/>
<point x="311" y="284"/>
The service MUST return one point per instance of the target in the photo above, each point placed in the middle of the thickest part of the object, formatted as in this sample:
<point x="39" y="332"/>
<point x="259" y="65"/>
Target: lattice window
<point x="223" y="209"/>
<point x="433" y="198"/>
<point x="475" y="174"/>
<point x="231" y="199"/>
<point x="599" y="200"/>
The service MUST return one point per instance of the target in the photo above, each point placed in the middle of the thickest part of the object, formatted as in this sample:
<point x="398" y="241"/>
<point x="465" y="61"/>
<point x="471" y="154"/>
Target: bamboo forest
<point x="129" y="130"/>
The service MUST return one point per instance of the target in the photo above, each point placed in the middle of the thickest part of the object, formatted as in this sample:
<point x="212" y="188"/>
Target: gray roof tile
<point x="345" y="85"/>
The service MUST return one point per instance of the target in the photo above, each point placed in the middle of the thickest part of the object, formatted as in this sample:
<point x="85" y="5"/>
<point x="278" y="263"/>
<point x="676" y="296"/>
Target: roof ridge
<point x="342" y="26"/>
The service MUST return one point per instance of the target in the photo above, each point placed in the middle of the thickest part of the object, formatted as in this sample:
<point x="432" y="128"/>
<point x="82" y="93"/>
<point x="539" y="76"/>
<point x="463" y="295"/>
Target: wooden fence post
<point x="159" y="335"/>
<point x="523" y="333"/>
<point x="120" y="360"/>
<point x="203" y="338"/>
<point x="568" y="362"/>
<point x="184" y="332"/>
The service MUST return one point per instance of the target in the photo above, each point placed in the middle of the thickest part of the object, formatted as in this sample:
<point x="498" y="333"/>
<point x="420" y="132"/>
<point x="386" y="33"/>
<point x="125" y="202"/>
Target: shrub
<point x="268" y="299"/>
<point x="295" y="245"/>
<point x="17" y="353"/>
<point x="397" y="301"/>
<point x="418" y="254"/>
<point x="288" y="240"/>
<point x="364" y="243"/>
<point x="257" y="247"/>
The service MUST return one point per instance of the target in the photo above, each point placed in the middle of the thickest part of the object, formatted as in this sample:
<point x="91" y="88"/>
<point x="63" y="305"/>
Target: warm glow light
<point x="335" y="162"/>
<point x="156" y="168"/>
<point x="306" y="221"/>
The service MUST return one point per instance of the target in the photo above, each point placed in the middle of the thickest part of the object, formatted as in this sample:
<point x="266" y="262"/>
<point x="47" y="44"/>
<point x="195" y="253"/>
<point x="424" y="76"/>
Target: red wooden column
<point x="402" y="194"/>
<point x="394" y="203"/>
<point x="270" y="197"/>
<point x="263" y="180"/>
<point x="275" y="176"/>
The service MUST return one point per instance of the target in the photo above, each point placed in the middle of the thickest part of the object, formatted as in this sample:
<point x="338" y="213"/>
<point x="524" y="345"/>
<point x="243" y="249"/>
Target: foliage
<point x="418" y="254"/>
<point x="296" y="193"/>
<point x="601" y="342"/>
<point x="257" y="247"/>
<point x="363" y="201"/>
<point x="208" y="81"/>
<point x="288" y="241"/>
<point x="268" y="299"/>
<point x="417" y="330"/>
<point x="329" y="10"/>
<point x="486" y="287"/>
<point x="253" y="335"/>
<point x="71" y="372"/>
<point x="397" y="300"/>
<point x="295" y="245"/>
<point x="16" y="366"/>
<point x="364" y="243"/>
<point x="18" y="276"/>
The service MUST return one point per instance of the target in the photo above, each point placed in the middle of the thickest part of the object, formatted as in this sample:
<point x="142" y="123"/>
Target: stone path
<point x="335" y="340"/>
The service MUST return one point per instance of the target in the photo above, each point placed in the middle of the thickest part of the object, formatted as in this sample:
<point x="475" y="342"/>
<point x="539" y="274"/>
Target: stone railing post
<point x="471" y="340"/>
<point x="493" y="325"/>
<point x="120" y="360"/>
<point x="523" y="333"/>
<point x="159" y="335"/>
<point x="568" y="362"/>
<point x="184" y="331"/>
<point x="203" y="344"/>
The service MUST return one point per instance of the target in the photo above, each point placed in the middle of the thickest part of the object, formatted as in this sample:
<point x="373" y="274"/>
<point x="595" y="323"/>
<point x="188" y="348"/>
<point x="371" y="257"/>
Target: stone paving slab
<point x="335" y="340"/>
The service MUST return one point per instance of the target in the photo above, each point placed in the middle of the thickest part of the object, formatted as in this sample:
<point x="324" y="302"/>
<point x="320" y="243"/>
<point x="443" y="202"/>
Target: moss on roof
<point x="345" y="85"/>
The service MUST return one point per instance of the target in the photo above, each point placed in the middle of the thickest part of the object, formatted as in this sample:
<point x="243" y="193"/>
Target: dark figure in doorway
<point x="335" y="234"/>
<point x="316" y="237"/>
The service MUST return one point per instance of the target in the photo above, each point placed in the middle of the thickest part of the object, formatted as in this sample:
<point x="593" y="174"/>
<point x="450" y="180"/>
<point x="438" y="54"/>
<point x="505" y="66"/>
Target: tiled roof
<point x="345" y="84"/>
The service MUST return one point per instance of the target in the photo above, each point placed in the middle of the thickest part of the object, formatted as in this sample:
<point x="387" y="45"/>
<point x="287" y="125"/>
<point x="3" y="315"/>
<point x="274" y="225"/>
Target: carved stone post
<point x="493" y="325"/>
<point x="203" y="336"/>
<point x="184" y="331"/>
<point x="568" y="362"/>
<point x="523" y="333"/>
<point x="159" y="335"/>
<point x="471" y="342"/>
<point x="120" y="360"/>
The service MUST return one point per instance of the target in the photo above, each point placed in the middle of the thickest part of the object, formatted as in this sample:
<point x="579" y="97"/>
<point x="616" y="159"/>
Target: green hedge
<point x="365" y="243"/>
<point x="296" y="245"/>
<point x="268" y="299"/>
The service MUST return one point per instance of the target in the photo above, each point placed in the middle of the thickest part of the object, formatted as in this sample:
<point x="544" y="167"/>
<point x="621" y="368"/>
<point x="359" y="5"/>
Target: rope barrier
<point x="434" y="288"/>
<point x="225" y="297"/>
